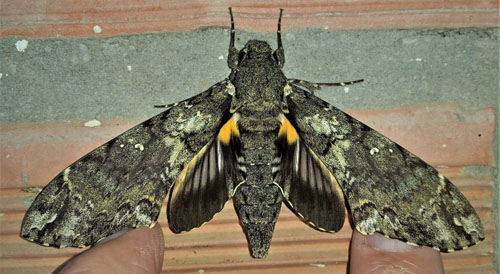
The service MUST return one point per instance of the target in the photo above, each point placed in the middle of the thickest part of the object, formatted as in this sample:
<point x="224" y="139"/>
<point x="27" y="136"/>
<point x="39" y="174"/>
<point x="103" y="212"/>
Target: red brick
<point x="41" y="151"/>
<point x="65" y="17"/>
<point x="442" y="135"/>
<point x="220" y="245"/>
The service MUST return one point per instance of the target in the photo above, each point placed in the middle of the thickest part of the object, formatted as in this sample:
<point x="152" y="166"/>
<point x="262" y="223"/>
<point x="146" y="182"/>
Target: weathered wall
<point x="435" y="91"/>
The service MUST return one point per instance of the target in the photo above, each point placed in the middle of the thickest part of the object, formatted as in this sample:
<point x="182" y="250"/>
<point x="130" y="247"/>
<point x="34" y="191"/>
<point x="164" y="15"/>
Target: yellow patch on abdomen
<point x="229" y="129"/>
<point x="289" y="131"/>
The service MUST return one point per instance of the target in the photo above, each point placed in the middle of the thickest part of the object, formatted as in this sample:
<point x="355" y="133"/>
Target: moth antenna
<point x="279" y="53"/>
<point x="231" y="42"/>
<point x="232" y="57"/>
<point x="280" y="44"/>
<point x="164" y="106"/>
<point x="311" y="87"/>
<point x="341" y="83"/>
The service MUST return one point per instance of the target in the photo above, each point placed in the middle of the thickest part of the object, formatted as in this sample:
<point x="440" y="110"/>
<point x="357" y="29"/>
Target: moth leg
<point x="341" y="84"/>
<point x="311" y="87"/>
<point x="279" y="53"/>
<point x="232" y="57"/>
<point x="169" y="105"/>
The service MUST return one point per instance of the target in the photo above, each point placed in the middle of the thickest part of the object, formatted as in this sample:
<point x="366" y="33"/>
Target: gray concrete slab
<point x="123" y="77"/>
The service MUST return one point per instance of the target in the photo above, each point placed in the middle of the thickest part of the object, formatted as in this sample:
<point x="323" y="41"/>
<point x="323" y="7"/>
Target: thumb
<point x="377" y="254"/>
<point x="136" y="251"/>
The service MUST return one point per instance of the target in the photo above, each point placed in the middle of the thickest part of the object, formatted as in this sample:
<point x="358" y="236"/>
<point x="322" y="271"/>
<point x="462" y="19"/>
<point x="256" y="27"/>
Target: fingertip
<point x="159" y="246"/>
<point x="139" y="250"/>
<point x="376" y="253"/>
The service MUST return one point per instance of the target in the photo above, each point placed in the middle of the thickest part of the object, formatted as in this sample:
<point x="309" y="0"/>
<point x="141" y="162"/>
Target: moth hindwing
<point x="260" y="139"/>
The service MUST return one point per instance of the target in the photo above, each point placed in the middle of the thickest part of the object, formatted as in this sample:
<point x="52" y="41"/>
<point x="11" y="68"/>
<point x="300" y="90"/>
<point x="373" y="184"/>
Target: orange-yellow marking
<point x="288" y="130"/>
<point x="229" y="129"/>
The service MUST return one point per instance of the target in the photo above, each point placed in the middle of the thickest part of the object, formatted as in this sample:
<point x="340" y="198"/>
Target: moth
<point x="259" y="139"/>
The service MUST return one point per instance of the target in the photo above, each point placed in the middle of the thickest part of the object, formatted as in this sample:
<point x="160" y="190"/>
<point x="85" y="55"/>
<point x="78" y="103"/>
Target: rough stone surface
<point x="68" y="78"/>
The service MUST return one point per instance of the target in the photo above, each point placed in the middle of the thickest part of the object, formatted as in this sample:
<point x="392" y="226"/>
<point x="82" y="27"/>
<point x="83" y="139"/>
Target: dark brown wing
<point x="309" y="188"/>
<point x="206" y="183"/>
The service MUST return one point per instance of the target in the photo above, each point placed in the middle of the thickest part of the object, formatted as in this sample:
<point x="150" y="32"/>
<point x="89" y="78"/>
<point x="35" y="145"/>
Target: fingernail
<point x="378" y="241"/>
<point x="113" y="236"/>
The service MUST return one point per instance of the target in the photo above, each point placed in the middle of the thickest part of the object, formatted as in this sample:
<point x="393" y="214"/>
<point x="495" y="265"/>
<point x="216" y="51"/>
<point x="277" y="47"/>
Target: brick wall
<point x="63" y="17"/>
<point x="455" y="133"/>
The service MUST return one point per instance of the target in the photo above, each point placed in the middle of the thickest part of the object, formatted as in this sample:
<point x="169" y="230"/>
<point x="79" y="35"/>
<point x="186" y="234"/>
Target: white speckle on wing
<point x="369" y="224"/>
<point x="221" y="57"/>
<point x="346" y="89"/>
<point x="442" y="180"/>
<point x="21" y="45"/>
<point x="320" y="126"/>
<point x="444" y="145"/>
<point x="139" y="146"/>
<point x="141" y="217"/>
<point x="52" y="218"/>
<point x="445" y="234"/>
<point x="352" y="180"/>
<point x="129" y="68"/>
<point x="97" y="29"/>
<point x="469" y="223"/>
<point x="92" y="123"/>
<point x="176" y="146"/>
<point x="287" y="90"/>
<point x="339" y="149"/>
<point x="66" y="173"/>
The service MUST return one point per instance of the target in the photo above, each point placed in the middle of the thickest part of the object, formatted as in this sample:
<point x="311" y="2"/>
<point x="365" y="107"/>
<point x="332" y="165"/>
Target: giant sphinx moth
<point x="259" y="139"/>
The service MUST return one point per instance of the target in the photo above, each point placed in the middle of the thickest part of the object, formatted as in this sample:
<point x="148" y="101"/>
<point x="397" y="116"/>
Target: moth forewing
<point x="389" y="190"/>
<point x="119" y="185"/>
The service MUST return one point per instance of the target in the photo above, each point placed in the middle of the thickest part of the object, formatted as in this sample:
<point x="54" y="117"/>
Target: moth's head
<point x="257" y="49"/>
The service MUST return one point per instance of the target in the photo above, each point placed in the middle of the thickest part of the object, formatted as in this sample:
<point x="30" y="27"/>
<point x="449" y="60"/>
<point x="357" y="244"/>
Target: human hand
<point x="377" y="254"/>
<point x="141" y="251"/>
<point x="135" y="251"/>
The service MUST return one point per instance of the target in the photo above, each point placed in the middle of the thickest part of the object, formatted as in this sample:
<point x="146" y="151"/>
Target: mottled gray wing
<point x="123" y="183"/>
<point x="389" y="190"/>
